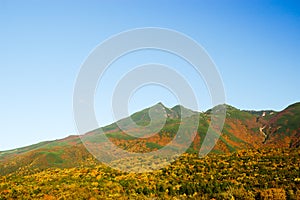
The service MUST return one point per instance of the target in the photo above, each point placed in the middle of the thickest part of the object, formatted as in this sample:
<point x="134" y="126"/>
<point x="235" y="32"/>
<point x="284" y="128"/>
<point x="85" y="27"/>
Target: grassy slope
<point x="241" y="131"/>
<point x="284" y="127"/>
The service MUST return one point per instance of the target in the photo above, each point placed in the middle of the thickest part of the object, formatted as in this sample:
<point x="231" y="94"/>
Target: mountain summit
<point x="242" y="130"/>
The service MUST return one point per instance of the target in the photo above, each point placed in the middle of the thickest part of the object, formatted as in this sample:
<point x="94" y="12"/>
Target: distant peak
<point x="182" y="111"/>
<point x="177" y="106"/>
<point x="161" y="104"/>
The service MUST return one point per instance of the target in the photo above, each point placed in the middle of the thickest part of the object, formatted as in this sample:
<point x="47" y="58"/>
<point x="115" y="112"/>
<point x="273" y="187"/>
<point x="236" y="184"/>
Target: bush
<point x="273" y="194"/>
<point x="236" y="194"/>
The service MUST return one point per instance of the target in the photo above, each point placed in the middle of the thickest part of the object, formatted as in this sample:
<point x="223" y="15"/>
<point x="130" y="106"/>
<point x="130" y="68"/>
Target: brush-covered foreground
<point x="246" y="174"/>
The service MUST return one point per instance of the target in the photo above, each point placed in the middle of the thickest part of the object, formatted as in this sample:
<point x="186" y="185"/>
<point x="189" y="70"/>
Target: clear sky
<point x="255" y="45"/>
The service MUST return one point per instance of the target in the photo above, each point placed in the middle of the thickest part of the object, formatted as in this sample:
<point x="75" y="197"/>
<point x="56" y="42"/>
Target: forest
<point x="246" y="174"/>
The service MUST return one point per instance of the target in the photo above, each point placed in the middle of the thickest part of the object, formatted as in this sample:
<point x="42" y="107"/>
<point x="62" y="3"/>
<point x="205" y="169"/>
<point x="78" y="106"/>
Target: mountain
<point x="242" y="130"/>
<point x="283" y="128"/>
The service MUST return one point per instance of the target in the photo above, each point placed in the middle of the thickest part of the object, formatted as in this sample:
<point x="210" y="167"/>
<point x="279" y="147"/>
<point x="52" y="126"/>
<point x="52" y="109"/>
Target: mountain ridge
<point x="242" y="130"/>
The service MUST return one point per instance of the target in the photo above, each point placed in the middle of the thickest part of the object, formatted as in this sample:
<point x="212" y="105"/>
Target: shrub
<point x="273" y="194"/>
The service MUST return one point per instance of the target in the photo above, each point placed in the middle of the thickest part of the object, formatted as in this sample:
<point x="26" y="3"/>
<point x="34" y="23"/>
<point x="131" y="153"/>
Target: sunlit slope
<point x="242" y="130"/>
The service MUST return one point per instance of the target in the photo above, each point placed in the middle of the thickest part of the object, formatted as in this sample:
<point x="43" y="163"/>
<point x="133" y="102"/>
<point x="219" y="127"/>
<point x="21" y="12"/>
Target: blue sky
<point x="255" y="45"/>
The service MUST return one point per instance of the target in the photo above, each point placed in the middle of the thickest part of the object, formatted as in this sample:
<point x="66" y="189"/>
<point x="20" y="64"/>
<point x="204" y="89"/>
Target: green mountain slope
<point x="242" y="130"/>
<point x="284" y="128"/>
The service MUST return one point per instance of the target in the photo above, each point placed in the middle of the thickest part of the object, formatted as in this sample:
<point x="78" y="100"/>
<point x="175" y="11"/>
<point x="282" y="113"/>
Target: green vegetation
<point x="231" y="136"/>
<point x="24" y="149"/>
<point x="120" y="135"/>
<point x="247" y="174"/>
<point x="64" y="169"/>
<point x="109" y="127"/>
<point x="290" y="119"/>
<point x="234" y="113"/>
<point x="152" y="145"/>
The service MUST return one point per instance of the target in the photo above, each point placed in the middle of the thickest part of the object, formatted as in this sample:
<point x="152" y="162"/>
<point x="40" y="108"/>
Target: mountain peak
<point x="160" y="103"/>
<point x="242" y="130"/>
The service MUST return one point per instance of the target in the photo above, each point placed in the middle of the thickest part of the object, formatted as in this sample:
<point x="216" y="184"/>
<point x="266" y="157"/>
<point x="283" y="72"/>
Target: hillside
<point x="246" y="174"/>
<point x="242" y="130"/>
<point x="284" y="128"/>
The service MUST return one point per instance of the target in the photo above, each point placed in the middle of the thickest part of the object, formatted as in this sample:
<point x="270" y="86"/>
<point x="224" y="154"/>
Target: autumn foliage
<point x="246" y="174"/>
